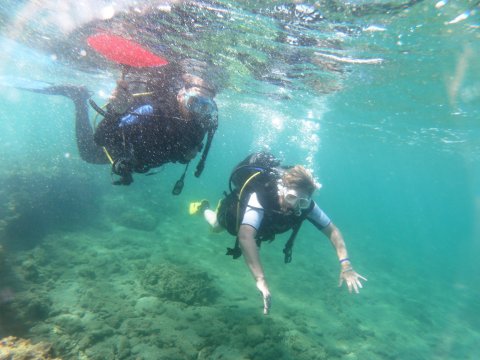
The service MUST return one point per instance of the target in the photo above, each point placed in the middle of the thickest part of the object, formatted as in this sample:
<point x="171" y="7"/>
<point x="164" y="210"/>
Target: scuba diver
<point x="155" y="116"/>
<point x="266" y="199"/>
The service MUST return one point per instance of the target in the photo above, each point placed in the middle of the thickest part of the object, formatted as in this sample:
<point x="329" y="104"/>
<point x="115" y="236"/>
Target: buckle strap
<point x="288" y="249"/>
<point x="235" y="252"/>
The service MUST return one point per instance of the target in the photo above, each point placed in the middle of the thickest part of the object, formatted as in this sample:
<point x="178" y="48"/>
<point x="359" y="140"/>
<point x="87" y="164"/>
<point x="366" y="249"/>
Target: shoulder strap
<point x="235" y="252"/>
<point x="288" y="249"/>
<point x="211" y="133"/>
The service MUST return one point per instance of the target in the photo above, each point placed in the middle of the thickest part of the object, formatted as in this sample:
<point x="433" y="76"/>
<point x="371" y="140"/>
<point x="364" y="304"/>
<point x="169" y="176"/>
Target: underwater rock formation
<point x="137" y="218"/>
<point x="19" y="349"/>
<point x="180" y="284"/>
<point x="40" y="201"/>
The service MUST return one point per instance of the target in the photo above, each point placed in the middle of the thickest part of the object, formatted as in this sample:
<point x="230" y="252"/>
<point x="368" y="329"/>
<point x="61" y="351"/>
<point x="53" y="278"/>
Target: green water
<point x="395" y="145"/>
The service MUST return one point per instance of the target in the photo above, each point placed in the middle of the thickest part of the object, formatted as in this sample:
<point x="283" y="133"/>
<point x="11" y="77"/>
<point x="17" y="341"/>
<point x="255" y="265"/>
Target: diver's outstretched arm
<point x="248" y="244"/>
<point x="88" y="149"/>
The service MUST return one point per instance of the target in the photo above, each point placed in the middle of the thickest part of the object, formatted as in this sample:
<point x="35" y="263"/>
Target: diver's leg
<point x="88" y="149"/>
<point x="211" y="217"/>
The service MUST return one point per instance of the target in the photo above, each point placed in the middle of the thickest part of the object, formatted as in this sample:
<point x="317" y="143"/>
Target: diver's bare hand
<point x="267" y="298"/>
<point x="352" y="279"/>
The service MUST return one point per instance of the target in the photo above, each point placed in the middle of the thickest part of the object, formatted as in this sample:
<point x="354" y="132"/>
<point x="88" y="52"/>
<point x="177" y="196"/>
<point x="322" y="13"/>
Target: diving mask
<point x="293" y="199"/>
<point x="199" y="104"/>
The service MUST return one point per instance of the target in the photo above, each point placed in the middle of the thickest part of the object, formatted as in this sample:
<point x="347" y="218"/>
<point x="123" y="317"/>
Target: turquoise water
<point x="105" y="272"/>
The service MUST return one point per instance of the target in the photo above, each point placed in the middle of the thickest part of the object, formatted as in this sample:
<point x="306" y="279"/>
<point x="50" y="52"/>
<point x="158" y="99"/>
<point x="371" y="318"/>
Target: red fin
<point x="123" y="51"/>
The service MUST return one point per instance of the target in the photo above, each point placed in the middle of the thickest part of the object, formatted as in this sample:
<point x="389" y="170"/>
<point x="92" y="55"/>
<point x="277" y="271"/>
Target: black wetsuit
<point x="152" y="131"/>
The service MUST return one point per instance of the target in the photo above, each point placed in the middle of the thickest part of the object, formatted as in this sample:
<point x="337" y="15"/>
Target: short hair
<point x="297" y="177"/>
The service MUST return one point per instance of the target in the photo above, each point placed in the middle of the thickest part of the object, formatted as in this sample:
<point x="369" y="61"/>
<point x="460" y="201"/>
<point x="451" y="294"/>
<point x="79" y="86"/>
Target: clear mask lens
<point x="303" y="203"/>
<point x="292" y="199"/>
<point x="200" y="105"/>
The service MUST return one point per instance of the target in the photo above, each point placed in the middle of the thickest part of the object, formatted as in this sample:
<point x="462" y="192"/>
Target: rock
<point x="40" y="201"/>
<point x="254" y="335"/>
<point x="38" y="309"/>
<point x="180" y="284"/>
<point x="149" y="305"/>
<point x="137" y="218"/>
<point x="69" y="323"/>
<point x="123" y="348"/>
<point x="16" y="348"/>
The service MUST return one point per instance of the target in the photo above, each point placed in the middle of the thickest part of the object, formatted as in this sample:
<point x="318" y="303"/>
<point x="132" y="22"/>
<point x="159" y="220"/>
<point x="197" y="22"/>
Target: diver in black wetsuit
<point x="155" y="116"/>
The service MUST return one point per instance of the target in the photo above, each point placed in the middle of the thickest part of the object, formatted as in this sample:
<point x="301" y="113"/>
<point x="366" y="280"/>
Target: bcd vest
<point x="251" y="177"/>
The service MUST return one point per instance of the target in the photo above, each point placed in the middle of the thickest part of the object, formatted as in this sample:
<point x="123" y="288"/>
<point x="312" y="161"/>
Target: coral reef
<point x="21" y="349"/>
<point x="137" y="218"/>
<point x="181" y="284"/>
<point x="135" y="211"/>
<point x="106" y="295"/>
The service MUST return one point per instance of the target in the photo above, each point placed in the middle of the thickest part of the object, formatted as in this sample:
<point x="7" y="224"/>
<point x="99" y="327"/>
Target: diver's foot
<point x="197" y="208"/>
